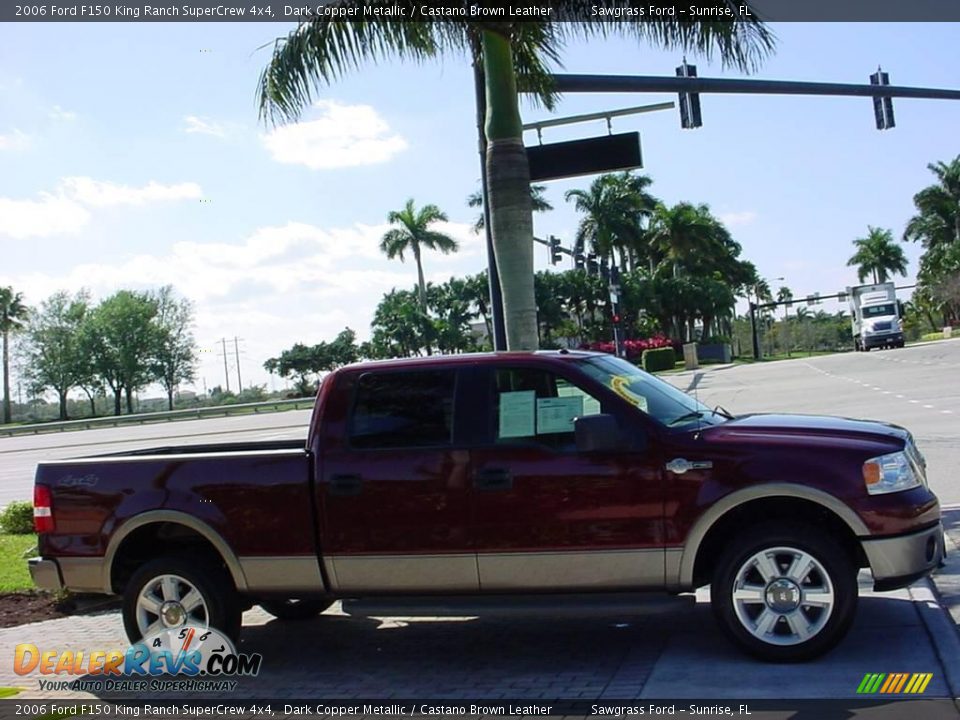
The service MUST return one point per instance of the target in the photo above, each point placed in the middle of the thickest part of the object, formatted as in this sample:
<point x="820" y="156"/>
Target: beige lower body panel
<point x="296" y="573"/>
<point x="404" y="573"/>
<point x="82" y="574"/>
<point x="578" y="570"/>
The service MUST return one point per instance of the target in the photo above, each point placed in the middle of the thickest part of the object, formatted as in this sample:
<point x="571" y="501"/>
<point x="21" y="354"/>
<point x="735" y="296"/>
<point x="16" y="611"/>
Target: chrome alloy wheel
<point x="169" y="601"/>
<point x="783" y="596"/>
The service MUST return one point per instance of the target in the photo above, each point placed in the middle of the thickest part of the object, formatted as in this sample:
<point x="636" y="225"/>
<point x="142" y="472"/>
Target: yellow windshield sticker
<point x="621" y="386"/>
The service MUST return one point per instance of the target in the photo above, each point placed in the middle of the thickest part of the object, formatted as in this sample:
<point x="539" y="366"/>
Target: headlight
<point x="868" y="331"/>
<point x="889" y="473"/>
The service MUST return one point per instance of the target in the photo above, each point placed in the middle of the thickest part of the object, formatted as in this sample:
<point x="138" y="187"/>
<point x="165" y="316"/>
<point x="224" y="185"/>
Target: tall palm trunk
<point x="508" y="178"/>
<point x="422" y="293"/>
<point x="6" y="377"/>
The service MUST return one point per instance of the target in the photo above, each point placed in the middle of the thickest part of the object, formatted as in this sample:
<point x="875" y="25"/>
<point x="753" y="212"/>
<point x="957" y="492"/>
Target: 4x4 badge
<point x="679" y="466"/>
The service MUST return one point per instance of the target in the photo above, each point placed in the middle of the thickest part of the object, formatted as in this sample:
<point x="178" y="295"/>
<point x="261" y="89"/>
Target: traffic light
<point x="555" y="254"/>
<point x="615" y="276"/>
<point x="579" y="261"/>
<point x="616" y="319"/>
<point x="689" y="102"/>
<point x="604" y="271"/>
<point x="882" y="106"/>
<point x="592" y="267"/>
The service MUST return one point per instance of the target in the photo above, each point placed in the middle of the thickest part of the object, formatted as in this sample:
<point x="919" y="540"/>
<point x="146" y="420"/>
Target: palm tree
<point x="538" y="202"/>
<point x="613" y="208"/>
<point x="878" y="254"/>
<point x="505" y="55"/>
<point x="680" y="232"/>
<point x="414" y="234"/>
<point x="938" y="208"/>
<point x="13" y="316"/>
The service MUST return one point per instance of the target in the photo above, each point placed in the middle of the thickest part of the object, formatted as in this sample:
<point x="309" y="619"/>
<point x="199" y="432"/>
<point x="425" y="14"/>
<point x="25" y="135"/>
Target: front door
<point x="546" y="516"/>
<point x="394" y="494"/>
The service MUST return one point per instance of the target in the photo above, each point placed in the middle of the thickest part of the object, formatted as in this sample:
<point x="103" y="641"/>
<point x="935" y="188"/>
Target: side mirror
<point x="597" y="433"/>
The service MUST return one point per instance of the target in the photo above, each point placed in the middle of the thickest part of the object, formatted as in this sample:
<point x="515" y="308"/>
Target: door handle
<point x="493" y="479"/>
<point x="344" y="485"/>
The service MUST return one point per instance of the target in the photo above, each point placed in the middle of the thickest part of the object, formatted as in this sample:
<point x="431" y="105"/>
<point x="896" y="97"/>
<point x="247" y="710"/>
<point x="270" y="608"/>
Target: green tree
<point x="399" y="328"/>
<point x="13" y="317"/>
<point x="413" y="235"/>
<point x="54" y="354"/>
<point x="878" y="255"/>
<point x="937" y="221"/>
<point x="175" y="356"/>
<point x="613" y="209"/>
<point x="681" y="231"/>
<point x="504" y="54"/>
<point x="122" y="336"/>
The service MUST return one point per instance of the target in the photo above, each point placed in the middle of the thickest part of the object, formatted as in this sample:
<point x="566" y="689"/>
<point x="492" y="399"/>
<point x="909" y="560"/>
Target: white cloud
<point x="279" y="285"/>
<point x="104" y="194"/>
<point x="744" y="217"/>
<point x="58" y="113"/>
<point x="203" y="126"/>
<point x="51" y="215"/>
<point x="65" y="211"/>
<point x="343" y="136"/>
<point x="16" y="140"/>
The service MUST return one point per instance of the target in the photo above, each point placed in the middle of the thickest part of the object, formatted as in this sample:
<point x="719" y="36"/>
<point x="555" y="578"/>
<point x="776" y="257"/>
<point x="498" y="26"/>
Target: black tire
<point x="832" y="574"/>
<point x="220" y="609"/>
<point x="295" y="608"/>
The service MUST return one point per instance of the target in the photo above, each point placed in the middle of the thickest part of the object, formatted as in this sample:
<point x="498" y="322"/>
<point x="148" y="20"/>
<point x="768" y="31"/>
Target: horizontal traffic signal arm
<point x="566" y="83"/>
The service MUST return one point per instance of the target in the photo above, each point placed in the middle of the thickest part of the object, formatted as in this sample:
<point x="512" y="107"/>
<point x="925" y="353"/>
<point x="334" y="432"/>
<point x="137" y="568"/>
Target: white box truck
<point x="875" y="316"/>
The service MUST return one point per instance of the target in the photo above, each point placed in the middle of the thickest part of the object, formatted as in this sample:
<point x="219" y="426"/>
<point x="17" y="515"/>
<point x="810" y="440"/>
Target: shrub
<point x="658" y="359"/>
<point x="634" y="348"/>
<point x="17" y="518"/>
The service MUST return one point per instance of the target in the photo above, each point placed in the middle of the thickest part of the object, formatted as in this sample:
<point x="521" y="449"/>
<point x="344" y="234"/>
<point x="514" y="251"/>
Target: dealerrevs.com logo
<point x="202" y="659"/>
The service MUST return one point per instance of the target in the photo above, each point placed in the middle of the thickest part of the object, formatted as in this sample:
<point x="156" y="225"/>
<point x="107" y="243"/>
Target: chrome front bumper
<point x="898" y="561"/>
<point x="45" y="574"/>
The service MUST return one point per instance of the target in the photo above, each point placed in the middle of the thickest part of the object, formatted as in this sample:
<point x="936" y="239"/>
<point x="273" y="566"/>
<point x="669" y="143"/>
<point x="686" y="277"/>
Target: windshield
<point x="878" y="311"/>
<point x="656" y="398"/>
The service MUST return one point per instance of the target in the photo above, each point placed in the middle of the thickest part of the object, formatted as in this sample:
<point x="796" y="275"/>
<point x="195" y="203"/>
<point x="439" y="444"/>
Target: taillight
<point x="42" y="509"/>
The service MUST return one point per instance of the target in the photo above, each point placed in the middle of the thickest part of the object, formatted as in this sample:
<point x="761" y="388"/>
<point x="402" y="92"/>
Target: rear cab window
<point x="403" y="409"/>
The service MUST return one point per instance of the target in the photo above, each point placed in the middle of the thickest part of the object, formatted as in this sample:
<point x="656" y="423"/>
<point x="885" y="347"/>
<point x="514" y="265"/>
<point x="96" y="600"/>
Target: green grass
<point x="6" y="692"/>
<point x="14" y="575"/>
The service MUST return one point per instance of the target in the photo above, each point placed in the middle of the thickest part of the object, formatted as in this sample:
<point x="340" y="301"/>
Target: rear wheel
<point x="785" y="593"/>
<point x="171" y="592"/>
<point x="295" y="608"/>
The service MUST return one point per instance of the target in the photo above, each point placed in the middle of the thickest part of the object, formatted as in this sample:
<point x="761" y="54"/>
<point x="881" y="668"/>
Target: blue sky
<point x="131" y="156"/>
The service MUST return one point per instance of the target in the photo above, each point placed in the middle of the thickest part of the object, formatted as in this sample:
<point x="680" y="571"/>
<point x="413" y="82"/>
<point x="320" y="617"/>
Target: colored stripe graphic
<point x="894" y="683"/>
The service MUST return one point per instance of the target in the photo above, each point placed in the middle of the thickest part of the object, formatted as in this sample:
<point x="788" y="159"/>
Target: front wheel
<point x="171" y="592"/>
<point x="785" y="593"/>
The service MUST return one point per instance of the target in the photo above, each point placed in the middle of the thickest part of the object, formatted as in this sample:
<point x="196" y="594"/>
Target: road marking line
<point x="914" y="401"/>
<point x="947" y="412"/>
<point x="900" y="396"/>
<point x="929" y="407"/>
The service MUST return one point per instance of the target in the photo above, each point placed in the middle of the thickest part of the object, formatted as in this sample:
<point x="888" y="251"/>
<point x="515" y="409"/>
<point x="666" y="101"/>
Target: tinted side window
<point x="403" y="409"/>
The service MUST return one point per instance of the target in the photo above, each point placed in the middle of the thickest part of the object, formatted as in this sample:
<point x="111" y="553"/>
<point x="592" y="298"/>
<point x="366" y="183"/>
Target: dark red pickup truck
<point x="552" y="472"/>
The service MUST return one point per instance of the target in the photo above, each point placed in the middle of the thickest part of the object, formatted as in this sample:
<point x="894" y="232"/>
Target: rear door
<point x="546" y="516"/>
<point x="394" y="493"/>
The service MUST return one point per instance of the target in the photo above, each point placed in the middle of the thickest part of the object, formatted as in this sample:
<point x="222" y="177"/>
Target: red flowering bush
<point x="634" y="348"/>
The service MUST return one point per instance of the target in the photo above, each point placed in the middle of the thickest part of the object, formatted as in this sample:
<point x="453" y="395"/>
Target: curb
<point x="938" y="605"/>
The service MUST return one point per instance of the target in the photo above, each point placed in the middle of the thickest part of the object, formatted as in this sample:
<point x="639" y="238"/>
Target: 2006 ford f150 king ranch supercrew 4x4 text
<point x="502" y="473"/>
